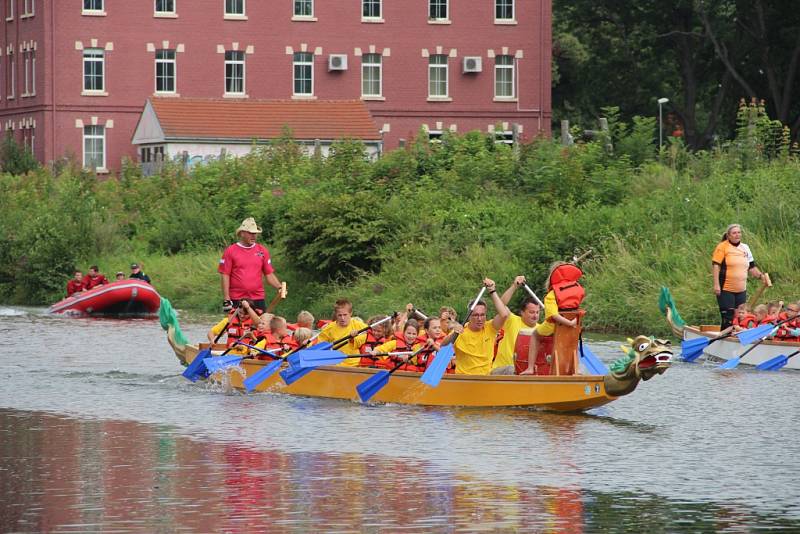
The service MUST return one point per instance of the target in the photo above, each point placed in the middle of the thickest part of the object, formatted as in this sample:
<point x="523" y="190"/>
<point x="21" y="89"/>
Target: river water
<point x="98" y="432"/>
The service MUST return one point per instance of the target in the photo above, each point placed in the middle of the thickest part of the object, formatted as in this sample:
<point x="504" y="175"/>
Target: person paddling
<point x="527" y="320"/>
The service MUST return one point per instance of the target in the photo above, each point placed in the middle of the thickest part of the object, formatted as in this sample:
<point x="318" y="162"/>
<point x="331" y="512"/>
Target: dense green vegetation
<point x="425" y="223"/>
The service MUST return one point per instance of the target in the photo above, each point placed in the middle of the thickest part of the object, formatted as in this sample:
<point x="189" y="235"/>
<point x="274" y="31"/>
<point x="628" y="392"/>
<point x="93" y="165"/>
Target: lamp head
<point x="663" y="100"/>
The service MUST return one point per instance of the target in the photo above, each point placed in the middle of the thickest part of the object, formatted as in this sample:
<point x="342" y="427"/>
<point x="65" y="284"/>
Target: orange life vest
<point x="369" y="344"/>
<point x="748" y="321"/>
<point x="564" y="281"/>
<point x="237" y="328"/>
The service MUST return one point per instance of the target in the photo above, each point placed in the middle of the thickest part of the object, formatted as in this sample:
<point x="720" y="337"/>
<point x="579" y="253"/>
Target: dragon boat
<point x="123" y="297"/>
<point x="727" y="348"/>
<point x="646" y="358"/>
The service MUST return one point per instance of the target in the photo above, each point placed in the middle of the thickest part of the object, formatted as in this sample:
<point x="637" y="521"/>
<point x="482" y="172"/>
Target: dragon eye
<point x="643" y="346"/>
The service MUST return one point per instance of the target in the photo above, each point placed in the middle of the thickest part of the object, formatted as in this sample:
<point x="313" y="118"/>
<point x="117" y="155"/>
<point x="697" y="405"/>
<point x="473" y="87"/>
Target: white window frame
<point x="101" y="59"/>
<point x="501" y="4"/>
<point x="439" y="4"/>
<point x="372" y="18"/>
<point x="302" y="64"/>
<point x="10" y="9"/>
<point x="233" y="63"/>
<point x="162" y="61"/>
<point x="33" y="72"/>
<point x="29" y="8"/>
<point x="498" y="68"/>
<point x="369" y="66"/>
<point x="297" y="3"/>
<point x="12" y="76"/>
<point x="93" y="10"/>
<point x="432" y="67"/>
<point x="95" y="136"/>
<point x="27" y="88"/>
<point x="234" y="14"/>
<point x="165" y="12"/>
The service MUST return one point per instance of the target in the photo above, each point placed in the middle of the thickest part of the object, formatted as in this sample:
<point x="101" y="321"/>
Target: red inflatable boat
<point x="124" y="297"/>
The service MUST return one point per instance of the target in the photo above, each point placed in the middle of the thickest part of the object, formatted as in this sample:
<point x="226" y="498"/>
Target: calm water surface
<point x="98" y="432"/>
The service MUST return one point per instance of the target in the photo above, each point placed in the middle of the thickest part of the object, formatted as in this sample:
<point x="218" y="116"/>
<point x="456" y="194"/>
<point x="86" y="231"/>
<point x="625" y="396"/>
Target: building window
<point x="10" y="9"/>
<point x="94" y="147"/>
<point x="165" y="71"/>
<point x="371" y="75"/>
<point x="93" y="5"/>
<point x="504" y="77"/>
<point x="371" y="9"/>
<point x="437" y="75"/>
<point x="165" y="7"/>
<point x="33" y="72"/>
<point x="303" y="8"/>
<point x="11" y="77"/>
<point x="93" y="69"/>
<point x="504" y="9"/>
<point x="27" y="90"/>
<point x="234" y="72"/>
<point x="28" y="8"/>
<point x="234" y="7"/>
<point x="437" y="9"/>
<point x="303" y="73"/>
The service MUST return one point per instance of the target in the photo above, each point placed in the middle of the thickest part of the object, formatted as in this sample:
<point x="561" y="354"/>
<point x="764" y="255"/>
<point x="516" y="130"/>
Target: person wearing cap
<point x="242" y="266"/>
<point x="120" y="276"/>
<point x="136" y="272"/>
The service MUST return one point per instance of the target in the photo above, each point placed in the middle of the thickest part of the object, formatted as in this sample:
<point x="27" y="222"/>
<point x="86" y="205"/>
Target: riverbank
<point x="424" y="224"/>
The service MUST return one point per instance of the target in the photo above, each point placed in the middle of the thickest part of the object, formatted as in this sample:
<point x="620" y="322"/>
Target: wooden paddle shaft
<point x="766" y="283"/>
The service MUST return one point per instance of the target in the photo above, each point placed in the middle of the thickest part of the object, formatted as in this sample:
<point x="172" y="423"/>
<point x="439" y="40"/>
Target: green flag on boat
<point x="168" y="317"/>
<point x="664" y="301"/>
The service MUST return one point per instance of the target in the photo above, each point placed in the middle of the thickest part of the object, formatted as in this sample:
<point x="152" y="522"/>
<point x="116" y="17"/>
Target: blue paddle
<point x="375" y="383"/>
<point x="317" y="358"/>
<point x="590" y="361"/>
<point x="251" y="382"/>
<point x="435" y="371"/>
<point x="197" y="368"/>
<point x="776" y="363"/>
<point x="734" y="362"/>
<point x="218" y="363"/>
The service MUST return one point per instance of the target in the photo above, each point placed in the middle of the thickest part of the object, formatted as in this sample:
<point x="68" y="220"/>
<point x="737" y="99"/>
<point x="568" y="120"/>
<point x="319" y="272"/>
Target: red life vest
<point x="564" y="281"/>
<point x="284" y="343"/>
<point x="748" y="321"/>
<point x="73" y="286"/>
<point x="783" y="331"/>
<point x="369" y="344"/>
<point x="237" y="328"/>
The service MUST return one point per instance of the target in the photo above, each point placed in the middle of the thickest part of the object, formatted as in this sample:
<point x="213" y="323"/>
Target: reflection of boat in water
<point x="123" y="297"/>
<point x="730" y="347"/>
<point x="573" y="392"/>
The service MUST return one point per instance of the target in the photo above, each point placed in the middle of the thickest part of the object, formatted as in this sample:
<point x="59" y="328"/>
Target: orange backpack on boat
<point x="564" y="281"/>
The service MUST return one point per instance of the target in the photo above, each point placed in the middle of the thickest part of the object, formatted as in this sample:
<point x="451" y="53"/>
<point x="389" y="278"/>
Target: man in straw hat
<point x="242" y="266"/>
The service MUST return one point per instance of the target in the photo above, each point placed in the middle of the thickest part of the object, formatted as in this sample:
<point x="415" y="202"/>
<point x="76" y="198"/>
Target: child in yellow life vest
<point x="564" y="293"/>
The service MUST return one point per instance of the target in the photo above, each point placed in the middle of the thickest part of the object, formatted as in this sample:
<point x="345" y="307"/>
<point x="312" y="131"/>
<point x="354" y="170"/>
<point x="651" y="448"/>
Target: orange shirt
<point x="734" y="262"/>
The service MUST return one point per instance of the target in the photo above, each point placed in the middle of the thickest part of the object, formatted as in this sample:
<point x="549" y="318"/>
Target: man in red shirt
<point x="242" y="266"/>
<point x="76" y="284"/>
<point x="94" y="278"/>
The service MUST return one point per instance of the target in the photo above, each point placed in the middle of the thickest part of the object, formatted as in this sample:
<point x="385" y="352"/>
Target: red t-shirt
<point x="73" y="286"/>
<point x="89" y="282"/>
<point x="245" y="265"/>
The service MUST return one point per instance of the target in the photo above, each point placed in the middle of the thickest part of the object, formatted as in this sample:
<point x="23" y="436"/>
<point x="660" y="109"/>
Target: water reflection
<point x="59" y="474"/>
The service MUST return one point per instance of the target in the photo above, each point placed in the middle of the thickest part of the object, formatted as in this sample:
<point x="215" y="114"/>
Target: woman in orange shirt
<point x="731" y="262"/>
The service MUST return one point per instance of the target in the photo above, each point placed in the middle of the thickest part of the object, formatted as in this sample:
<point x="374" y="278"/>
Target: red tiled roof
<point x="264" y="119"/>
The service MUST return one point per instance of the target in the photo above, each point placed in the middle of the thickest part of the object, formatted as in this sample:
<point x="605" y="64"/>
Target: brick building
<point x="76" y="74"/>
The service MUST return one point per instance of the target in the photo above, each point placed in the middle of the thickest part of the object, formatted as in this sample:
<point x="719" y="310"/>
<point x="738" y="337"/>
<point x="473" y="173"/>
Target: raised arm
<point x="519" y="281"/>
<point x="502" y="310"/>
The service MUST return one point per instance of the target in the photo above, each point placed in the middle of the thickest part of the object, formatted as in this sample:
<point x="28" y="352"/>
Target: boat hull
<point x="728" y="348"/>
<point x="124" y="297"/>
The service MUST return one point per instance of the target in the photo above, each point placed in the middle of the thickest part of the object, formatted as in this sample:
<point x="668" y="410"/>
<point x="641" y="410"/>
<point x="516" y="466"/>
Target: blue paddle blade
<point x="591" y="362"/>
<point x="731" y="364"/>
<point x="773" y="364"/>
<point x="251" y="382"/>
<point x="197" y="368"/>
<point x="325" y="345"/>
<point x="692" y="349"/>
<point x="294" y="358"/>
<point x="291" y="375"/>
<point x="221" y="362"/>
<point x="315" y="358"/>
<point x="433" y="374"/>
<point x="754" y="334"/>
<point x="373" y="384"/>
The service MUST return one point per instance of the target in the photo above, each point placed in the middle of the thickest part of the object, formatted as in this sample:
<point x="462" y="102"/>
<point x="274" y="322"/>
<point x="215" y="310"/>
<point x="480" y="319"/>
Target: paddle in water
<point x="776" y="363"/>
<point x="734" y="362"/>
<point x="590" y="361"/>
<point x="252" y="382"/>
<point x="197" y="368"/>
<point x="435" y="371"/>
<point x="375" y="383"/>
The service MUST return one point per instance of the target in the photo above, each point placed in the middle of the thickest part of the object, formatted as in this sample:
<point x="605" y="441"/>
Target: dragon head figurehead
<point x="644" y="358"/>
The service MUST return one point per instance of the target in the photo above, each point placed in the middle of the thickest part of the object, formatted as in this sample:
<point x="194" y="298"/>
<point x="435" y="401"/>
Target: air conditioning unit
<point x="337" y="62"/>
<point x="472" y="64"/>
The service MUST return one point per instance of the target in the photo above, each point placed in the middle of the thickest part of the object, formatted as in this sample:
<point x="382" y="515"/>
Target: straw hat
<point x="249" y="225"/>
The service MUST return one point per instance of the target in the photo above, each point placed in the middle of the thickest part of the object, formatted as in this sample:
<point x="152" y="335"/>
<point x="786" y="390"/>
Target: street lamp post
<point x="661" y="102"/>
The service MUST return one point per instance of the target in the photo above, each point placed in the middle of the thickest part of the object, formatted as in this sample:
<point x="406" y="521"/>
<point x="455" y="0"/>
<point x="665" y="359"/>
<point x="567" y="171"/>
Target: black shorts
<point x="259" y="305"/>
<point x="728" y="302"/>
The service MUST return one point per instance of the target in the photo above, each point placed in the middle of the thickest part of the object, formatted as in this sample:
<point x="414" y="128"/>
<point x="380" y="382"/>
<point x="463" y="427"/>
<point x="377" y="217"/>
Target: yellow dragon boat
<point x="567" y="393"/>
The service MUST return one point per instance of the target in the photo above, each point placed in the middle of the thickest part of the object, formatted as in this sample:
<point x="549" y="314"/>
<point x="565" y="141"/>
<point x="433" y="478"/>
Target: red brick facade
<point x="127" y="34"/>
